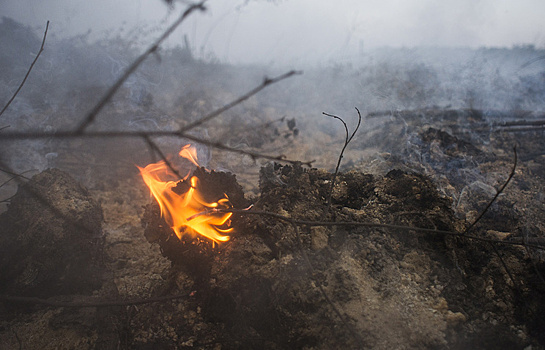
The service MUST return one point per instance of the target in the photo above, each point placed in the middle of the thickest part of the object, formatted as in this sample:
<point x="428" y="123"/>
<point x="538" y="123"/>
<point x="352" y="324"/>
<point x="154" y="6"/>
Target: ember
<point x="187" y="212"/>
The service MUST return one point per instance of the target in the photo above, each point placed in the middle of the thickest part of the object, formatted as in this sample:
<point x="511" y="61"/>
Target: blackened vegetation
<point x="396" y="289"/>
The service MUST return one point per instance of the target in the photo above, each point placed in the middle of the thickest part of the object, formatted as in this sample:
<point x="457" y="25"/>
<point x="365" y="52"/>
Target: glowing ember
<point x="187" y="212"/>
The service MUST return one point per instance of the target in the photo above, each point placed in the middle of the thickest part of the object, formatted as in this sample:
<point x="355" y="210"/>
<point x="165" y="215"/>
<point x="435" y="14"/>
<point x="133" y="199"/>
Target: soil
<point x="276" y="287"/>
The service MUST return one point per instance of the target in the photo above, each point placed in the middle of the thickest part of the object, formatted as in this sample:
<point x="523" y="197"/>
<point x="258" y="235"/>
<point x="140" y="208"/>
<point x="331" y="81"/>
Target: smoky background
<point x="428" y="57"/>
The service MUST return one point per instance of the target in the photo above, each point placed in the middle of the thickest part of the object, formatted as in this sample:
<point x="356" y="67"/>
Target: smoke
<point x="342" y="48"/>
<point x="299" y="32"/>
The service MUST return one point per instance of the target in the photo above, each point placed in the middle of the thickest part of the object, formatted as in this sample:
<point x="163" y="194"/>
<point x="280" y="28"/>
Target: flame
<point x="190" y="153"/>
<point x="188" y="212"/>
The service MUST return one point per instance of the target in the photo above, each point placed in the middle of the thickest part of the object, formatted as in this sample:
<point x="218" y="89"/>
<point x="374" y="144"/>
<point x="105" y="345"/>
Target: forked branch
<point x="347" y="140"/>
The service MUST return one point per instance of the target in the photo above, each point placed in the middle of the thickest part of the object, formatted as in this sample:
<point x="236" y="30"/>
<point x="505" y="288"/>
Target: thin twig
<point x="113" y="89"/>
<point x="217" y="112"/>
<point x="346" y="142"/>
<point x="28" y="72"/>
<point x="536" y="269"/>
<point x="498" y="192"/>
<point x="515" y="283"/>
<point x="377" y="225"/>
<point x="6" y="200"/>
<point x="144" y="134"/>
<point x="530" y="62"/>
<point x="153" y="146"/>
<point x="254" y="155"/>
<point x="494" y="248"/>
<point x="15" y="174"/>
<point x="90" y="302"/>
<point x="14" y="177"/>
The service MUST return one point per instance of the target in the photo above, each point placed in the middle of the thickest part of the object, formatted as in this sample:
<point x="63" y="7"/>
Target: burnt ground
<point x="365" y="287"/>
<point x="95" y="233"/>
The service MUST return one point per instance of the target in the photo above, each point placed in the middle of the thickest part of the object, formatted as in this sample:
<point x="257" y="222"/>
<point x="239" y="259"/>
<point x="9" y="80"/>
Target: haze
<point x="297" y="31"/>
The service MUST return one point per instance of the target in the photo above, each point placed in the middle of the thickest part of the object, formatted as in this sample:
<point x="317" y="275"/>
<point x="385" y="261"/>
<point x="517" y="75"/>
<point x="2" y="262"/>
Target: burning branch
<point x="28" y="72"/>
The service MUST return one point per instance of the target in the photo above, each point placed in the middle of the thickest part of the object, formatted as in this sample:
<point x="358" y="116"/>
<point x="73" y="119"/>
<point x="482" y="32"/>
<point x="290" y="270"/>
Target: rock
<point x="51" y="241"/>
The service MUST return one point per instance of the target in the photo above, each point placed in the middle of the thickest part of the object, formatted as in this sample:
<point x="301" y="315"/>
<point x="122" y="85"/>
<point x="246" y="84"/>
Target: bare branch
<point x="15" y="175"/>
<point x="145" y="134"/>
<point x="377" y="225"/>
<point x="113" y="89"/>
<point x="254" y="155"/>
<point x="90" y="302"/>
<point x="497" y="193"/>
<point x="217" y="112"/>
<point x="346" y="142"/>
<point x="27" y="73"/>
<point x="153" y="146"/>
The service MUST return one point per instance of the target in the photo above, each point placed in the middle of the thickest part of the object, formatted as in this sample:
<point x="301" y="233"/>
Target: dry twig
<point x="145" y="134"/>
<point x="498" y="192"/>
<point x="377" y="225"/>
<point x="346" y="142"/>
<point x="153" y="48"/>
<point x="91" y="302"/>
<point x="217" y="112"/>
<point x="27" y="73"/>
<point x="154" y="148"/>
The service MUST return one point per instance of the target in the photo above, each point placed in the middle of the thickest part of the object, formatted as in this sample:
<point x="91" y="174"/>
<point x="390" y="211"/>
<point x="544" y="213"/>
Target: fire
<point x="187" y="212"/>
<point x="190" y="153"/>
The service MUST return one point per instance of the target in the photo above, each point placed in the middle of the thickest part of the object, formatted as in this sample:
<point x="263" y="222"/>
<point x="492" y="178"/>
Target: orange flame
<point x="190" y="153"/>
<point x="188" y="212"/>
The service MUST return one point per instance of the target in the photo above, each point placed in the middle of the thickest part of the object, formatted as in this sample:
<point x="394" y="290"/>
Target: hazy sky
<point x="298" y="31"/>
